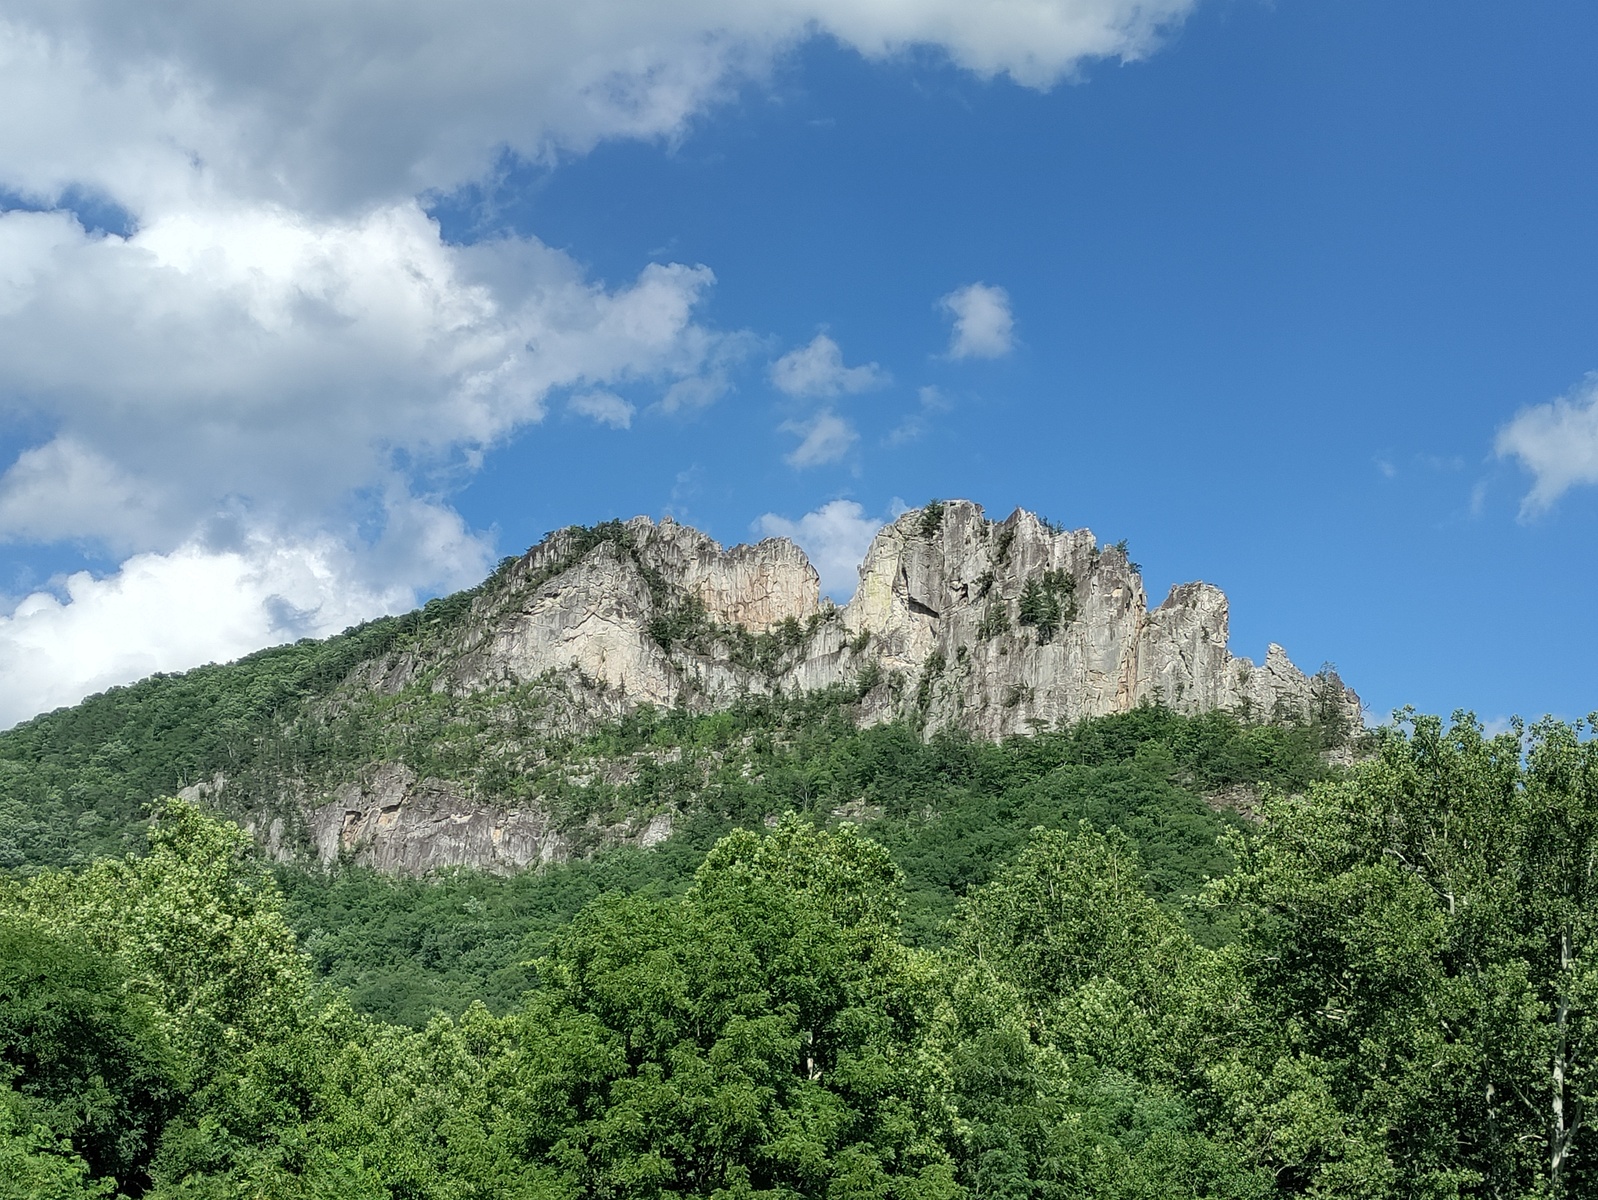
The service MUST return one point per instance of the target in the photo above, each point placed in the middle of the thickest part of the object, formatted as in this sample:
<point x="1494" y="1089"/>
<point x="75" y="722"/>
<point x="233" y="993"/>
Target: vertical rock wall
<point x="942" y="599"/>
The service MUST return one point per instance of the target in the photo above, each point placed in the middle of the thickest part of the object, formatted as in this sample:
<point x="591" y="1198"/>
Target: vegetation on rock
<point x="1048" y="602"/>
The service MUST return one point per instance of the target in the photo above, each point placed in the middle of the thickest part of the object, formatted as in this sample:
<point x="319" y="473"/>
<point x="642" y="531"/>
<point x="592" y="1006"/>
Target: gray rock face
<point x="998" y="628"/>
<point x="589" y="613"/>
<point x="394" y="821"/>
<point x="1010" y="627"/>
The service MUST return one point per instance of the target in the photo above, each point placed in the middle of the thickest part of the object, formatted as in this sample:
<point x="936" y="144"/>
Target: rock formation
<point x="997" y="628"/>
<point x="943" y="598"/>
<point x="1015" y="626"/>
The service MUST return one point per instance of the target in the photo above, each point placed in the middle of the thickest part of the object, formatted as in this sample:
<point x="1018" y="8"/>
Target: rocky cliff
<point x="994" y="627"/>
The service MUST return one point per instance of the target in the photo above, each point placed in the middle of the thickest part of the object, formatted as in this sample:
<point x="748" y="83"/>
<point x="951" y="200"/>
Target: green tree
<point x="197" y="924"/>
<point x="755" y="1038"/>
<point x="1048" y="602"/>
<point x="84" y="1056"/>
<point x="1072" y="908"/>
<point x="1419" y="945"/>
<point x="185" y="947"/>
<point x="36" y="1163"/>
<point x="1070" y="1033"/>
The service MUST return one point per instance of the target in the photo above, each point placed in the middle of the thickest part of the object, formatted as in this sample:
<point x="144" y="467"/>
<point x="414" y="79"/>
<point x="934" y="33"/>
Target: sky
<point x="312" y="310"/>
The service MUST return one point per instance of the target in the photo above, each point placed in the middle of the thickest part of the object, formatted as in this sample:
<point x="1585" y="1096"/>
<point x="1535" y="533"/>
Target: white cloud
<point x="607" y="408"/>
<point x="197" y="604"/>
<point x="284" y="350"/>
<point x="824" y="438"/>
<point x="697" y="391"/>
<point x="264" y="360"/>
<point x="1497" y="726"/>
<point x="713" y="378"/>
<point x="836" y="537"/>
<point x="1557" y="442"/>
<point x="58" y="490"/>
<point x="818" y="370"/>
<point x="983" y="324"/>
<point x="335" y="103"/>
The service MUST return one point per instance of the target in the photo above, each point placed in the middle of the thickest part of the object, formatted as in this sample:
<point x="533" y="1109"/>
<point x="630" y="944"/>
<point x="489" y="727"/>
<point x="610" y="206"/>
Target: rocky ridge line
<point x="996" y="628"/>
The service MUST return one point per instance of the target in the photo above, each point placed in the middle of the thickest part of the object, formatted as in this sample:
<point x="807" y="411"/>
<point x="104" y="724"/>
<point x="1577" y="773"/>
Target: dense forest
<point x="75" y="784"/>
<point x="1055" y="967"/>
<point x="949" y="811"/>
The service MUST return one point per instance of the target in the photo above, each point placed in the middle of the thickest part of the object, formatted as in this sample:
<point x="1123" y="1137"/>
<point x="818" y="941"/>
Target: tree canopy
<point x="1400" y="1006"/>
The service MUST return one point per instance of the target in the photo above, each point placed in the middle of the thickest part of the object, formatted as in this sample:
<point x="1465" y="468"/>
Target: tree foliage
<point x="1048" y="603"/>
<point x="1391" y="994"/>
<point x="1418" y="941"/>
<point x="952" y="811"/>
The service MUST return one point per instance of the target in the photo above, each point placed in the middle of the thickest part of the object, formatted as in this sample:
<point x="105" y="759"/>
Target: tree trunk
<point x="1564" y="1127"/>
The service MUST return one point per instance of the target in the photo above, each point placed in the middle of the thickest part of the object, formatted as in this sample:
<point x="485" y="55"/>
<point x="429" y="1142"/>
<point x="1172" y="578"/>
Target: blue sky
<point x="1304" y="300"/>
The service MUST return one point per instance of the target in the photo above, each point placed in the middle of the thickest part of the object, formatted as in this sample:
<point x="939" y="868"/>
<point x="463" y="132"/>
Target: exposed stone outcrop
<point x="757" y="587"/>
<point x="394" y="821"/>
<point x="565" y="609"/>
<point x="998" y="628"/>
<point x="943" y="599"/>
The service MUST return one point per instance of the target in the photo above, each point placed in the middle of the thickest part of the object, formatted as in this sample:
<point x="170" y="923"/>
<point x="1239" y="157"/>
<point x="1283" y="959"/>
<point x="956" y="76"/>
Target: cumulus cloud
<point x="824" y="438"/>
<point x="818" y="370"/>
<point x="276" y="348"/>
<point x="606" y="408"/>
<point x="265" y="360"/>
<point x="332" y="103"/>
<point x="1557" y="442"/>
<point x="58" y="490"/>
<point x="198" y="604"/>
<point x="836" y="537"/>
<point x="983" y="324"/>
<point x="255" y="376"/>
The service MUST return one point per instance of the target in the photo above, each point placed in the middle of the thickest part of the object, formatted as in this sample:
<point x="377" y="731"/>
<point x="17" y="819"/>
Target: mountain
<point x="455" y="735"/>
<point x="993" y="627"/>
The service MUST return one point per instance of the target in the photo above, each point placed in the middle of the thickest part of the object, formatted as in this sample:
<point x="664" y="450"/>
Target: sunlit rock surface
<point x="994" y="627"/>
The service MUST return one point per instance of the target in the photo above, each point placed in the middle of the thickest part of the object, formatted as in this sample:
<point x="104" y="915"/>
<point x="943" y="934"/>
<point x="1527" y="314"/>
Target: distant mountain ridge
<point x="446" y="737"/>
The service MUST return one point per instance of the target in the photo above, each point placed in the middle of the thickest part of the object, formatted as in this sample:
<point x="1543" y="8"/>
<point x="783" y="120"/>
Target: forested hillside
<point x="497" y="727"/>
<point x="1395" y="1001"/>
<point x="950" y="812"/>
<point x="76" y="783"/>
<point x="1137" y="955"/>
